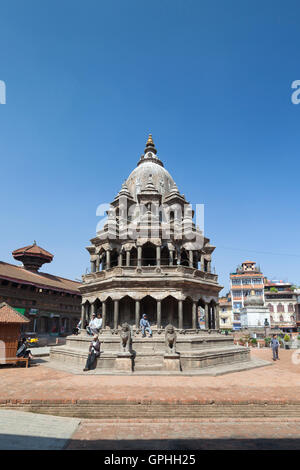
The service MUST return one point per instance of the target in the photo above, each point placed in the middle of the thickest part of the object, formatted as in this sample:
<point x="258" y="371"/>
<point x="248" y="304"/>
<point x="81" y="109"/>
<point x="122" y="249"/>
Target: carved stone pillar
<point x="98" y="263"/>
<point x="171" y="257"/>
<point x="180" y="314"/>
<point x="194" y="315"/>
<point x="206" y="317"/>
<point x="107" y="259"/>
<point x="191" y="261"/>
<point x="82" y="316"/>
<point x="127" y="258"/>
<point x="120" y="257"/>
<point x="93" y="267"/>
<point x="202" y="262"/>
<point x="158" y="256"/>
<point x="158" y="311"/>
<point x="93" y="309"/>
<point x="139" y="253"/>
<point x="103" y="314"/>
<point x="137" y="313"/>
<point x="209" y="266"/>
<point x="217" y="317"/>
<point x="116" y="314"/>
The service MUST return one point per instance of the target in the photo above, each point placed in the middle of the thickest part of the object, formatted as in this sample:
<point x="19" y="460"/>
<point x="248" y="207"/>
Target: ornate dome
<point x="148" y="165"/>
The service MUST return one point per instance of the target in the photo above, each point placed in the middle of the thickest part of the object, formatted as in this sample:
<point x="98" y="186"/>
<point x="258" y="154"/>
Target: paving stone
<point x="28" y="431"/>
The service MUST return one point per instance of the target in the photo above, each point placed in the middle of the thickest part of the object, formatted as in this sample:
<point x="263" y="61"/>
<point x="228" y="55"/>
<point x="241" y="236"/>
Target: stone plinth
<point x="172" y="362"/>
<point x="123" y="362"/>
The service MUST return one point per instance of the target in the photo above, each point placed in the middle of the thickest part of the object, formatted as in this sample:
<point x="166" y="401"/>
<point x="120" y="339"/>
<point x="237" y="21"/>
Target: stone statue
<point x="125" y="336"/>
<point x="170" y="339"/>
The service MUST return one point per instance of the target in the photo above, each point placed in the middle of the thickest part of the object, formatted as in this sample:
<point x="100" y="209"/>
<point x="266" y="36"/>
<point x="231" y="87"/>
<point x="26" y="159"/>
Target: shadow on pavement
<point x="18" y="442"/>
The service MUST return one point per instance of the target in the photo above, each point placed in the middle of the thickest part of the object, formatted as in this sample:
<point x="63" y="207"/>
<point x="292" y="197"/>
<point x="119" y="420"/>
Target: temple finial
<point x="150" y="141"/>
<point x="150" y="147"/>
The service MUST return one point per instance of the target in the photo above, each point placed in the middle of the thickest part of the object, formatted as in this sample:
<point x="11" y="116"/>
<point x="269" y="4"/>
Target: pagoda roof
<point x="10" y="315"/>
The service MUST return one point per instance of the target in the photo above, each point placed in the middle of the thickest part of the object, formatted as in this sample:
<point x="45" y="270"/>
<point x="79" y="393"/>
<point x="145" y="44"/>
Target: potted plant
<point x="253" y="342"/>
<point x="287" y="341"/>
<point x="267" y="341"/>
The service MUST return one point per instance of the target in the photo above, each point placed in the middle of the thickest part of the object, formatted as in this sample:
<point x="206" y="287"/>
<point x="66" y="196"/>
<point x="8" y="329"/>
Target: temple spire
<point x="150" y="147"/>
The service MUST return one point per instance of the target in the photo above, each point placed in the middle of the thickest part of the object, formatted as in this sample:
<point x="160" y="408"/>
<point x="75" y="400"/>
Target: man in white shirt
<point x="95" y="324"/>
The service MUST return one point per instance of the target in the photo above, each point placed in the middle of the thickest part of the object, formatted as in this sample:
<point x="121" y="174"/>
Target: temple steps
<point x="117" y="410"/>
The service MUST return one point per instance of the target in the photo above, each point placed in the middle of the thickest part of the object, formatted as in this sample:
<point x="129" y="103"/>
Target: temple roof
<point x="11" y="272"/>
<point x="10" y="315"/>
<point x="33" y="250"/>
<point x="148" y="165"/>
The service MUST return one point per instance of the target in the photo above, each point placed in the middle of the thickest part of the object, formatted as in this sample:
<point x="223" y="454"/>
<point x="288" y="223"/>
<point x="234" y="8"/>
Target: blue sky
<point x="86" y="82"/>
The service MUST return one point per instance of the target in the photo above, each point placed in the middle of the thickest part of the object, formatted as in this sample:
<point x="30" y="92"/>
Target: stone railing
<point x="153" y="271"/>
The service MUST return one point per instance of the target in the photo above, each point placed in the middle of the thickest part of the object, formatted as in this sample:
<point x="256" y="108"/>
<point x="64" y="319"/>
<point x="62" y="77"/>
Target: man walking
<point x="275" y="346"/>
<point x="145" y="326"/>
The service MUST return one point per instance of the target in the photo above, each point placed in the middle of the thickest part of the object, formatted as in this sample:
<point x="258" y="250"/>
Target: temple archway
<point x="127" y="310"/>
<point x="165" y="256"/>
<point x="169" y="311"/>
<point x="148" y="254"/>
<point x="187" y="313"/>
<point x="109" y="312"/>
<point x="148" y="306"/>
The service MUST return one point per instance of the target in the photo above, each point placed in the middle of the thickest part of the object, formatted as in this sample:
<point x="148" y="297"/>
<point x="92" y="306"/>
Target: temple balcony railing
<point x="152" y="271"/>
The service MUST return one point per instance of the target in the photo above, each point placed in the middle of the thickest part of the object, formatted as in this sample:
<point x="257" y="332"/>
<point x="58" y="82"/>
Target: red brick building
<point x="51" y="303"/>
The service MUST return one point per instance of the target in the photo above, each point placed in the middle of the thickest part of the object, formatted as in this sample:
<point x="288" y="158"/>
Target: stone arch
<point x="148" y="306"/>
<point x="184" y="259"/>
<point x="169" y="311"/>
<point x="201" y="314"/>
<point x="133" y="256"/>
<point x="148" y="254"/>
<point x="127" y="310"/>
<point x="212" y="315"/>
<point x="109" y="312"/>
<point x="188" y="313"/>
<point x="165" y="256"/>
<point x="114" y="258"/>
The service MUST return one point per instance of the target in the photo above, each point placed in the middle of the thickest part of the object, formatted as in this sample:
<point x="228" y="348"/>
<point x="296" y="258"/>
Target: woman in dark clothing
<point x="22" y="349"/>
<point x="94" y="351"/>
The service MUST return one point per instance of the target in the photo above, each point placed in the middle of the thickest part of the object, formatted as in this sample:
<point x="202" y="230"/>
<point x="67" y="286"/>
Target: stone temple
<point x="151" y="258"/>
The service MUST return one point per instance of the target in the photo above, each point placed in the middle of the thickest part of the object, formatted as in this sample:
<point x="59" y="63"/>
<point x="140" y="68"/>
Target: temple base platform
<point x="197" y="352"/>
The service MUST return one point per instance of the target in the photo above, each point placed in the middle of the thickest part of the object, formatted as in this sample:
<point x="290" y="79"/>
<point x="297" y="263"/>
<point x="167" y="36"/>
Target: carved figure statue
<point x="125" y="336"/>
<point x="170" y="339"/>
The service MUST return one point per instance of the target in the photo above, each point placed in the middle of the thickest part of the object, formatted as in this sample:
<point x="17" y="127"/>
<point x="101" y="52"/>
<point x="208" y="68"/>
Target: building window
<point x="291" y="308"/>
<point x="280" y="308"/>
<point x="271" y="308"/>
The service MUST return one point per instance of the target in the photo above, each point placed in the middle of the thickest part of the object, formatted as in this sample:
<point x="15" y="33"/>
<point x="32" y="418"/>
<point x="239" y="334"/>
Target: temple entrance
<point x="169" y="312"/>
<point x="148" y="306"/>
<point x="187" y="313"/>
<point x="211" y="316"/>
<point x="109" y="313"/>
<point x="127" y="311"/>
<point x="148" y="254"/>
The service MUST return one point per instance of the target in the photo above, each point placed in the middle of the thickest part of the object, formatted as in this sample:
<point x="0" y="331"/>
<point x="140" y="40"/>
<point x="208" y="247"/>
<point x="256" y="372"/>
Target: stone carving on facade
<point x="125" y="338"/>
<point x="170" y="339"/>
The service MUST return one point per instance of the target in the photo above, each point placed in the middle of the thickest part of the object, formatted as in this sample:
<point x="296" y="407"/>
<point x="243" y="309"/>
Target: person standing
<point x="94" y="352"/>
<point x="275" y="346"/>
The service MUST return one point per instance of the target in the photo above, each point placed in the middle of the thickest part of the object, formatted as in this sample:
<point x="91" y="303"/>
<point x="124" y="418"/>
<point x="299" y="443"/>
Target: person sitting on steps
<point x="94" y="351"/>
<point x="145" y="326"/>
